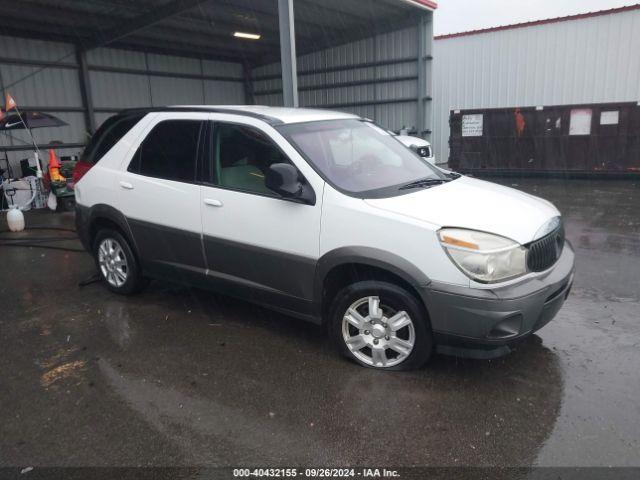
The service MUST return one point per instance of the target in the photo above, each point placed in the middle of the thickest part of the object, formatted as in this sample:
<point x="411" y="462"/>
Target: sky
<point x="461" y="15"/>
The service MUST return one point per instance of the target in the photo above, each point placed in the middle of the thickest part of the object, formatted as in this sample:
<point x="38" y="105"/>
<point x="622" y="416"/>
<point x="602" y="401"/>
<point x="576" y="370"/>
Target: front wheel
<point x="381" y="325"/>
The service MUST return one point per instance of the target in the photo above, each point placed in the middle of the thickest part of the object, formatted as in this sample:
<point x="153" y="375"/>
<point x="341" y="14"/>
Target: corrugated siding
<point x="42" y="87"/>
<point x="12" y="47"/>
<point x="49" y="87"/>
<point x="590" y="60"/>
<point x="121" y="90"/>
<point x="391" y="46"/>
<point x="111" y="57"/>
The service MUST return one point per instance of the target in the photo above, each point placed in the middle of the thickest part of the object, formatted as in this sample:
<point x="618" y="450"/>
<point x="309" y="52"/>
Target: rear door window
<point x="169" y="151"/>
<point x="109" y="133"/>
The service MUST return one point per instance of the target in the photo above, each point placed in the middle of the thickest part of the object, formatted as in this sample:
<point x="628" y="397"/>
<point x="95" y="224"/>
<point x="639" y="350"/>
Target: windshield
<point x="359" y="157"/>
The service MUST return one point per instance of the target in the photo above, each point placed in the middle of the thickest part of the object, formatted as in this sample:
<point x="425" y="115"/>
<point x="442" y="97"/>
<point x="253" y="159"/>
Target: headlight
<point x="483" y="256"/>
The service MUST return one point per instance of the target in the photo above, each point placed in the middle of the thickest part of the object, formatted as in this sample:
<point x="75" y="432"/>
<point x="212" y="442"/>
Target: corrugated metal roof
<point x="204" y="29"/>
<point x="532" y="23"/>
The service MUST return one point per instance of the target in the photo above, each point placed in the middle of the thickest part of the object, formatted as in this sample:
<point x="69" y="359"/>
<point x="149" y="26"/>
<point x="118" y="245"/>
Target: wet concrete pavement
<point x="175" y="376"/>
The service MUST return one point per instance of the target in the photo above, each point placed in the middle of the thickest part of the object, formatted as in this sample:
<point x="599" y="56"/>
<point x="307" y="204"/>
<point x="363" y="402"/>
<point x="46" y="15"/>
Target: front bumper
<point x="485" y="323"/>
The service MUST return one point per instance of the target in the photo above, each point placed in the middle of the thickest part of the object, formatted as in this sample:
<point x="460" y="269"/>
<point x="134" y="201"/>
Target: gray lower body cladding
<point x="484" y="323"/>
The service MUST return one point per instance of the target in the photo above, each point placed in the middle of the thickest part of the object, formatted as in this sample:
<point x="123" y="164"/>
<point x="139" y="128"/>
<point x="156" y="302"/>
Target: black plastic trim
<point x="87" y="216"/>
<point x="276" y="271"/>
<point x="370" y="257"/>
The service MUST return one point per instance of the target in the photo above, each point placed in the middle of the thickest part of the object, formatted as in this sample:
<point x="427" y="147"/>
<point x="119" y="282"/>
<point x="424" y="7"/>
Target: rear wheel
<point x="381" y="325"/>
<point x="116" y="262"/>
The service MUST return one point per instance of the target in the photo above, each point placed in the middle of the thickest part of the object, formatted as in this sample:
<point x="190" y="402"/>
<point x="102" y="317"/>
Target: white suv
<point x="326" y="217"/>
<point x="420" y="146"/>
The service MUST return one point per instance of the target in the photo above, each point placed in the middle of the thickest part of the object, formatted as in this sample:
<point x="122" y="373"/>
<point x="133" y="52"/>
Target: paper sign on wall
<point x="472" y="125"/>
<point x="609" y="118"/>
<point x="580" y="121"/>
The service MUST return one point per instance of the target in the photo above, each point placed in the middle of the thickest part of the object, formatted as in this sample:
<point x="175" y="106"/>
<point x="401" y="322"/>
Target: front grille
<point x="543" y="253"/>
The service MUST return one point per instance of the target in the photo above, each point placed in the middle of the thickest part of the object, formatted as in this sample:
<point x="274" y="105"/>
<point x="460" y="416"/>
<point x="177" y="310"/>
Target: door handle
<point x="212" y="202"/>
<point x="126" y="185"/>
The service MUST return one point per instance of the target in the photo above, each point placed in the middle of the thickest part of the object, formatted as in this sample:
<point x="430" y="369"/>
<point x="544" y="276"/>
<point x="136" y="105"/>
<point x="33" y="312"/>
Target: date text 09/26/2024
<point x="315" y="473"/>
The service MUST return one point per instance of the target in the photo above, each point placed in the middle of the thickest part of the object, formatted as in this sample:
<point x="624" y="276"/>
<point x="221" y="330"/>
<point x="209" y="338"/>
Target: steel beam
<point x="288" y="53"/>
<point x="425" y="51"/>
<point x="249" y="96"/>
<point x="85" y="91"/>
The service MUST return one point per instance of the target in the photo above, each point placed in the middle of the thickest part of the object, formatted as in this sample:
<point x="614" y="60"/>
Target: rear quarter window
<point x="109" y="133"/>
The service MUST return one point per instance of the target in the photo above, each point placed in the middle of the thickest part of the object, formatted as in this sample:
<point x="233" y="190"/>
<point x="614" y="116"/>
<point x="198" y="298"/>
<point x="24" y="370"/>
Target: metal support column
<point x="288" y="53"/>
<point x="425" y="56"/>
<point x="85" y="91"/>
<point x="249" y="97"/>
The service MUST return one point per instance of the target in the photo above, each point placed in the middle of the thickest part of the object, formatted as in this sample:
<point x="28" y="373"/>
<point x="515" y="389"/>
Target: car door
<point x="160" y="198"/>
<point x="259" y="244"/>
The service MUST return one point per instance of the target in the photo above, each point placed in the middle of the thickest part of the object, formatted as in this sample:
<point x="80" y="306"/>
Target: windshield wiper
<point x="425" y="182"/>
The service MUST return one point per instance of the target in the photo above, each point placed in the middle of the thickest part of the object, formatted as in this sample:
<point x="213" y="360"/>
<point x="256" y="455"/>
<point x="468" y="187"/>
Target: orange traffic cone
<point x="54" y="167"/>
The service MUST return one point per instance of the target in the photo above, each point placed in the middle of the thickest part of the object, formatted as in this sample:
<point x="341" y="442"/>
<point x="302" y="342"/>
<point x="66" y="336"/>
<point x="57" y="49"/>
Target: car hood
<point x="477" y="205"/>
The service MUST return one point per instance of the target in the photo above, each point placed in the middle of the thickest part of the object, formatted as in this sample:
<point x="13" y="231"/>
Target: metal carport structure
<point x="87" y="59"/>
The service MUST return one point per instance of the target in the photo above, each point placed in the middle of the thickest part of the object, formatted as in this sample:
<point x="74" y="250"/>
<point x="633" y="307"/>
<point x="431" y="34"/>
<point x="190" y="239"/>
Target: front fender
<point x="371" y="257"/>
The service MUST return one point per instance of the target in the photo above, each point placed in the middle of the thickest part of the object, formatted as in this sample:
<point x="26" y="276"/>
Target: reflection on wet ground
<point x="596" y="336"/>
<point x="182" y="377"/>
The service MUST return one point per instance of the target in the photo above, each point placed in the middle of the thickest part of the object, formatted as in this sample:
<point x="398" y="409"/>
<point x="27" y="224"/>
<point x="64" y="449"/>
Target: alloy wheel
<point x="113" y="262"/>
<point x="377" y="334"/>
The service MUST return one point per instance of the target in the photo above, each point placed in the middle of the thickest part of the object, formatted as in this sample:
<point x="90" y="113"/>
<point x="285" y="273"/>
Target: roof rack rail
<point x="204" y="108"/>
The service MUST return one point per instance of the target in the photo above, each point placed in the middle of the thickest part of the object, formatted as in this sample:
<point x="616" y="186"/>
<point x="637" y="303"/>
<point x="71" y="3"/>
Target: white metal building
<point x="587" y="58"/>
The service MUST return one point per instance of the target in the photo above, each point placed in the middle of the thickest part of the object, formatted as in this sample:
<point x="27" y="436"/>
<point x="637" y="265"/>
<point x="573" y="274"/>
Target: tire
<point x="398" y="327"/>
<point x="116" y="263"/>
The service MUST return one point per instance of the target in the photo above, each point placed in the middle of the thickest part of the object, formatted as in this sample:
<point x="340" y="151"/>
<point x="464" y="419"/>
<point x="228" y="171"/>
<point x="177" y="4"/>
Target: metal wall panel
<point x="13" y="47"/>
<point x="223" y="93"/>
<point x="48" y="87"/>
<point x="176" y="91"/>
<point x="120" y="90"/>
<point x="168" y="63"/>
<point x="401" y="44"/>
<point x="43" y="87"/>
<point x="210" y="67"/>
<point x="112" y="57"/>
<point x="588" y="60"/>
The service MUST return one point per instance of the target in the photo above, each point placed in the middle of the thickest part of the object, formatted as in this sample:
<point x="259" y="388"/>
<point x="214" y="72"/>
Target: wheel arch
<point x="342" y="266"/>
<point x="105" y="216"/>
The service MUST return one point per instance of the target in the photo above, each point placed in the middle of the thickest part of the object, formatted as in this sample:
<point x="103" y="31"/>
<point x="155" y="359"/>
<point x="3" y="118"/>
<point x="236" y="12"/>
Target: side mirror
<point x="284" y="179"/>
